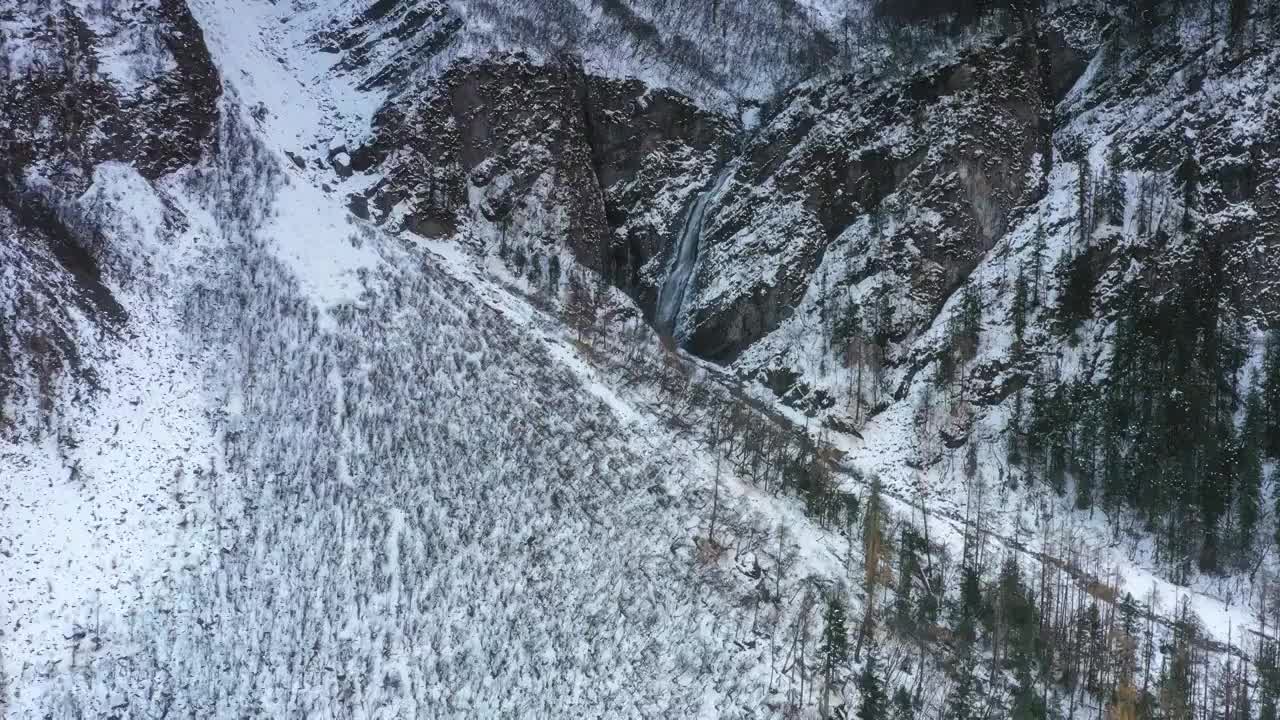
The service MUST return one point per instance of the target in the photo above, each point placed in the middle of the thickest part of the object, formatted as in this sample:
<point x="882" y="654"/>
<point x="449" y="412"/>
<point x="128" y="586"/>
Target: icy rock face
<point x="1152" y="164"/>
<point x="717" y="53"/>
<point x="652" y="150"/>
<point x="133" y="83"/>
<point x="82" y="84"/>
<point x="1193" y="126"/>
<point x="920" y="177"/>
<point x="546" y="155"/>
<point x="416" y="30"/>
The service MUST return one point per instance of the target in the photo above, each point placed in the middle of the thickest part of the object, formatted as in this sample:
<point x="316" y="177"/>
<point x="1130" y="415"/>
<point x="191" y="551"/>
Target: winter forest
<point x="805" y="359"/>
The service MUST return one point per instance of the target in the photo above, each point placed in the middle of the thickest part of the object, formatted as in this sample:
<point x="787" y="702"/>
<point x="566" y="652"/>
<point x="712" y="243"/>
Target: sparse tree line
<point x="909" y="632"/>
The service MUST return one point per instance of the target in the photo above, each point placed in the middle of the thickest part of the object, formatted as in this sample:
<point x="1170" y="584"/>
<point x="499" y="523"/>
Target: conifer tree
<point x="902" y="707"/>
<point x="874" y="700"/>
<point x="1014" y="433"/>
<point x="1111" y="195"/>
<point x="535" y="270"/>
<point x="964" y="702"/>
<point x="519" y="259"/>
<point x="553" y="275"/>
<point x="1027" y="703"/>
<point x="970" y="322"/>
<point x="847" y="337"/>
<point x="883" y="334"/>
<point x="1249" y="471"/>
<point x="835" y="645"/>
<point x="1039" y="246"/>
<point x="904" y="616"/>
<point x="1268" y="682"/>
<point x="1271" y="394"/>
<point x="848" y="326"/>
<point x="1019" y="310"/>
<point x="1177" y="681"/>
<point x="970" y="607"/>
<point x="1084" y="204"/>
<point x="580" y="306"/>
<point x="873" y="549"/>
<point x="1076" y="288"/>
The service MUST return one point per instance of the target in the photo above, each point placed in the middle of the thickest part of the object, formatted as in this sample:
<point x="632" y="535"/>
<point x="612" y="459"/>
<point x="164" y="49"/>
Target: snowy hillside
<point x="422" y="358"/>
<point x="328" y="471"/>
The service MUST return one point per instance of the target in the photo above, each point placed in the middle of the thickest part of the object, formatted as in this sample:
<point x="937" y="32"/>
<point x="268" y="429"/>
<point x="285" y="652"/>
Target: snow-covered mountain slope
<point x="316" y="399"/>
<point x="333" y="472"/>
<point x="720" y="52"/>
<point x="420" y="509"/>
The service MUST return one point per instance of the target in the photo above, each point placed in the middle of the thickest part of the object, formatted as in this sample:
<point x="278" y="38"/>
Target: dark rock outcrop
<point x="945" y="159"/>
<point x="59" y="119"/>
<point x="544" y="154"/>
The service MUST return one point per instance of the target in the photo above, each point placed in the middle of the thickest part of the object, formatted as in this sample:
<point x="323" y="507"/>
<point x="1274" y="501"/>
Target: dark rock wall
<point x="492" y="140"/>
<point x="59" y="118"/>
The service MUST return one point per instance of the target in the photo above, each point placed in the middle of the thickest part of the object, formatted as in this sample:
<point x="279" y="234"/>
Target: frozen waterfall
<point x="671" y="294"/>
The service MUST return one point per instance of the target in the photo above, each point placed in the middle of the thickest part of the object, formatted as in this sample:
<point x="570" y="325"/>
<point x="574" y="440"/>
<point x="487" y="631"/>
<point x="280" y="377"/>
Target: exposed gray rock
<point x="548" y="155"/>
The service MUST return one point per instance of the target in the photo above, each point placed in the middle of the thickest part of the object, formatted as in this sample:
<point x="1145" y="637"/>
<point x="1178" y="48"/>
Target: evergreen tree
<point x="1189" y="175"/>
<point x="1177" y="681"/>
<point x="970" y="322"/>
<point x="1268" y="682"/>
<point x="1015" y="431"/>
<point x="835" y="642"/>
<point x="873" y="553"/>
<point x="1022" y="625"/>
<point x="963" y="328"/>
<point x="1039" y="246"/>
<point x="1027" y="702"/>
<point x="904" y="612"/>
<point x="882" y="335"/>
<point x="1076" y="288"/>
<point x="1111" y="195"/>
<point x="1084" y="204"/>
<point x="964" y="702"/>
<point x="902" y="707"/>
<point x="1249" y="471"/>
<point x="1093" y="644"/>
<point x="535" y="270"/>
<point x="518" y="260"/>
<point x="1018" y="312"/>
<point x="1271" y="394"/>
<point x="969" y="609"/>
<point x="580" y="306"/>
<point x="883" y="331"/>
<point x="874" y="701"/>
<point x="848" y="326"/>
<point x="553" y="274"/>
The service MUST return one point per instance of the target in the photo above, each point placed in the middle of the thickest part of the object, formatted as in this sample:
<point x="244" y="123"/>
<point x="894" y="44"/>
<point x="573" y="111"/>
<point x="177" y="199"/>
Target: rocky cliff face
<point x="72" y="99"/>
<point x="69" y="101"/>
<point x="545" y="156"/>
<point x="1190" y="128"/>
<point x="913" y="181"/>
<point x="1067" y="139"/>
<point x="880" y="194"/>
